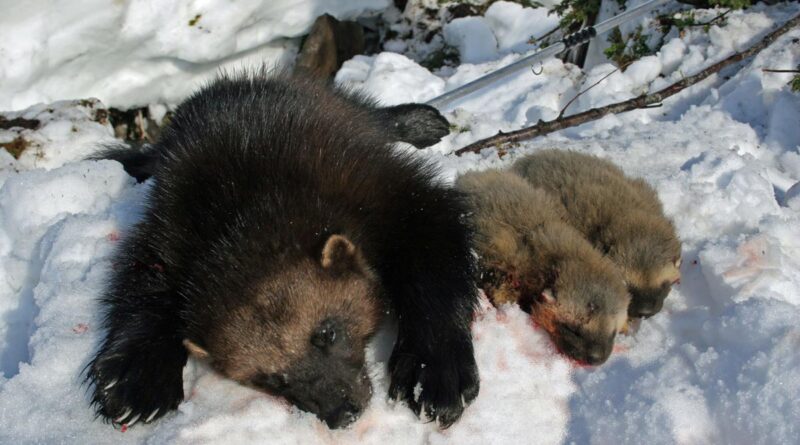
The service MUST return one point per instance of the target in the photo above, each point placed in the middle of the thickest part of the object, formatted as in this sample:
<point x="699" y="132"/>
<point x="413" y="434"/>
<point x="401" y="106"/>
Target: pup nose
<point x="596" y="356"/>
<point x="645" y="309"/>
<point x="342" y="416"/>
<point x="644" y="312"/>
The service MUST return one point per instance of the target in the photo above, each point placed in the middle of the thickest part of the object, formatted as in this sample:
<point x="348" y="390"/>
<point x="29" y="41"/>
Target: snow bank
<point x="473" y="38"/>
<point x="514" y="25"/>
<point x="60" y="132"/>
<point x="137" y="52"/>
<point x="718" y="365"/>
<point x="392" y="78"/>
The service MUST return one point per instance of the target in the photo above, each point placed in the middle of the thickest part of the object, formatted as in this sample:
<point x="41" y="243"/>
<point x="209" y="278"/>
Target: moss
<point x="795" y="83"/>
<point x="625" y="49"/>
<point x="196" y="19"/>
<point x="456" y="128"/>
<point x="733" y="4"/>
<point x="441" y="57"/>
<point x="575" y="12"/>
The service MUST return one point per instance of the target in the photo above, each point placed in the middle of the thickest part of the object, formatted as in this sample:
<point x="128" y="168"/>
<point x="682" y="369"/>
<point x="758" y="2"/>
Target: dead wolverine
<point x="530" y="255"/>
<point x="279" y="223"/>
<point x="621" y="216"/>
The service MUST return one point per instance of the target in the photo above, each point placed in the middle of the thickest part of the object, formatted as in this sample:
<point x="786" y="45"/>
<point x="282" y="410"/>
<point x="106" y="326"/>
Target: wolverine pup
<point x="531" y="256"/>
<point x="279" y="224"/>
<point x="621" y="216"/>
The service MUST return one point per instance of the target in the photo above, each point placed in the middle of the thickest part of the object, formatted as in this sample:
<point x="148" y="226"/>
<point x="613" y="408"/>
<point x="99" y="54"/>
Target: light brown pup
<point x="531" y="256"/>
<point x="621" y="216"/>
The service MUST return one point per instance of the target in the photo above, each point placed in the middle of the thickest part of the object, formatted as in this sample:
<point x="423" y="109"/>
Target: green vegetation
<point x="626" y="49"/>
<point x="795" y="83"/>
<point x="574" y="13"/>
<point x="733" y="4"/>
<point x="446" y="55"/>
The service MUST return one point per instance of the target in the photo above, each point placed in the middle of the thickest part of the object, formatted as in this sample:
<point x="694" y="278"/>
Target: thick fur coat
<point x="279" y="225"/>
<point x="530" y="255"/>
<point x="621" y="216"/>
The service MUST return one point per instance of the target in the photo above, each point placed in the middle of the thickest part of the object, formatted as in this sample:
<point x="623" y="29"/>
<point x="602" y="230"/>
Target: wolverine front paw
<point x="441" y="384"/>
<point x="136" y="385"/>
<point x="418" y="124"/>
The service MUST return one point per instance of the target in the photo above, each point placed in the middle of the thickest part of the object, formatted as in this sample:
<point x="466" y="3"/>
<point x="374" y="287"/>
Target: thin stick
<point x="561" y="114"/>
<point x="643" y="101"/>
<point x="768" y="70"/>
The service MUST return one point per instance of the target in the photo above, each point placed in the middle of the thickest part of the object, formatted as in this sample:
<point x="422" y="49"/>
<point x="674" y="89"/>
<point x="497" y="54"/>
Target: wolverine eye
<point x="592" y="307"/>
<point x="325" y="335"/>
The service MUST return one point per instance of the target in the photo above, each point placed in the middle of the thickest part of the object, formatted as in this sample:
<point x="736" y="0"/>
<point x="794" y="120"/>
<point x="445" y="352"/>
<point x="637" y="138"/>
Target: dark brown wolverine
<point x="280" y="221"/>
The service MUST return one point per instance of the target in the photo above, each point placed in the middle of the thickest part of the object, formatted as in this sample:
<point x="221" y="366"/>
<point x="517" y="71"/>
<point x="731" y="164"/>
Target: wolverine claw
<point x="436" y="387"/>
<point x="132" y="383"/>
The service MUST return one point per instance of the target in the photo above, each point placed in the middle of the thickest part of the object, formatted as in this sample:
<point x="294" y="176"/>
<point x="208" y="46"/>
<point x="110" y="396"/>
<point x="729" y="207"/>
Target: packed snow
<point x="720" y="363"/>
<point x="137" y="52"/>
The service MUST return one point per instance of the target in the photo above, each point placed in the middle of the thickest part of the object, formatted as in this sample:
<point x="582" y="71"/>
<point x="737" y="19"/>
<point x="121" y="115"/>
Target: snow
<point x="514" y="25"/>
<point x="473" y="38"/>
<point x="138" y="52"/>
<point x="719" y="364"/>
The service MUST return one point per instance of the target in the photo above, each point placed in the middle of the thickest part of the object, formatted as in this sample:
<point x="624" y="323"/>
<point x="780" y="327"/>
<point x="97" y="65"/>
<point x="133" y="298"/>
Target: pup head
<point x="302" y="333"/>
<point x="583" y="307"/>
<point x="649" y="253"/>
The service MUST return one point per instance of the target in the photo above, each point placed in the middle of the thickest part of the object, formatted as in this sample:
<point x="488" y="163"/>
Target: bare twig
<point x="621" y="68"/>
<point x="647" y="100"/>
<point x="769" y="70"/>
<point x="710" y="22"/>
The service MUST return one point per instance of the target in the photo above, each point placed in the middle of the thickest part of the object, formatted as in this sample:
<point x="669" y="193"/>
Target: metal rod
<point x="571" y="40"/>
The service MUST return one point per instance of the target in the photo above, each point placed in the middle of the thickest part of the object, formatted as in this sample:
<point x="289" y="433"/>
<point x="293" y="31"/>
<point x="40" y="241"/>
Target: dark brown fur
<point x="279" y="222"/>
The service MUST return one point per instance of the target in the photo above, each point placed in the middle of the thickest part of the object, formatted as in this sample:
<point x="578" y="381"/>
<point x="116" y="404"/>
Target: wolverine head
<point x="301" y="333"/>
<point x="649" y="253"/>
<point x="583" y="308"/>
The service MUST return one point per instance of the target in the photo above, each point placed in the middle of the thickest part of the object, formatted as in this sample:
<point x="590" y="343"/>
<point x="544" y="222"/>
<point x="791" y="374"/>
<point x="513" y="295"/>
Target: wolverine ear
<point x="195" y="349"/>
<point x="340" y="254"/>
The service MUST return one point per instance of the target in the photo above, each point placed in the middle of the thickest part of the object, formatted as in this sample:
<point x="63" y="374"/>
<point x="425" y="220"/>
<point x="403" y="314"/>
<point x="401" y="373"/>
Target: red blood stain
<point x="123" y="428"/>
<point x="80" y="328"/>
<point x="619" y="349"/>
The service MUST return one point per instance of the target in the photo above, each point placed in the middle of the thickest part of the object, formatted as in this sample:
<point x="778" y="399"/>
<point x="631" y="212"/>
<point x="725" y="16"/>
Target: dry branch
<point x="644" y="101"/>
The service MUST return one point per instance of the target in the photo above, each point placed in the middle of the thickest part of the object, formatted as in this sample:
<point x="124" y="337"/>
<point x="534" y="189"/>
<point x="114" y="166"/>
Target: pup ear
<point x="195" y="349"/>
<point x="340" y="254"/>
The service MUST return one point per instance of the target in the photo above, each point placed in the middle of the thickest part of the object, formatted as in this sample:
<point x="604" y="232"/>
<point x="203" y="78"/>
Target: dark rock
<point x="328" y="44"/>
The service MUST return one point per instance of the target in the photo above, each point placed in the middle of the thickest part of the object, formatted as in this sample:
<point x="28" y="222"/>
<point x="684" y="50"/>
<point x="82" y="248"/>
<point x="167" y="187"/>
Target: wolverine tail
<point x="138" y="160"/>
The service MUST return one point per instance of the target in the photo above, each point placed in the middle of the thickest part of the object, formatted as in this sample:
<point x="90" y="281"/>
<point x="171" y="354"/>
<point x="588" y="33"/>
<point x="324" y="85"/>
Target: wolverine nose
<point x="343" y="415"/>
